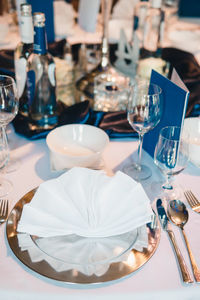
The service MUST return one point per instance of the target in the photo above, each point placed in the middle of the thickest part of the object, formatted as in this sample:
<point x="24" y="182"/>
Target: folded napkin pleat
<point x="87" y="203"/>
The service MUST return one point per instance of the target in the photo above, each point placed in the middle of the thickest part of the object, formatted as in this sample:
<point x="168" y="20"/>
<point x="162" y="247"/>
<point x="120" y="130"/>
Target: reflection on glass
<point x="77" y="250"/>
<point x="86" y="255"/>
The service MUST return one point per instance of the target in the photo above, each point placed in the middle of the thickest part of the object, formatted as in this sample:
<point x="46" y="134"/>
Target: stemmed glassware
<point x="171" y="156"/>
<point x="144" y="113"/>
<point x="8" y="110"/>
<point x="86" y="83"/>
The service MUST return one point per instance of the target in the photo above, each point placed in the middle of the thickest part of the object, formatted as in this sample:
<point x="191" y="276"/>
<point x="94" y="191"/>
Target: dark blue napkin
<point x="114" y="124"/>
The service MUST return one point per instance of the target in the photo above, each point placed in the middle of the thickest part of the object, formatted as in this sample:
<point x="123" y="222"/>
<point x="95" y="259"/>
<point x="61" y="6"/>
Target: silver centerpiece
<point x="86" y="83"/>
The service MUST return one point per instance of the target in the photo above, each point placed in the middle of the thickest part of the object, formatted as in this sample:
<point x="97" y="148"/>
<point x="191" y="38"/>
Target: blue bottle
<point x="41" y="80"/>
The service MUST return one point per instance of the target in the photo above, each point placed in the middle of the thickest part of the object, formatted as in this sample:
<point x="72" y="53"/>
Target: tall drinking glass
<point x="171" y="156"/>
<point x="8" y="110"/>
<point x="144" y="113"/>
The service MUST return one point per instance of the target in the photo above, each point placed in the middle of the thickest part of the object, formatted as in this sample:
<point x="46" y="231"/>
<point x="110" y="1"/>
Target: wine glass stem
<point x="4" y="157"/>
<point x="167" y="185"/>
<point x="140" y="150"/>
<point x="106" y="8"/>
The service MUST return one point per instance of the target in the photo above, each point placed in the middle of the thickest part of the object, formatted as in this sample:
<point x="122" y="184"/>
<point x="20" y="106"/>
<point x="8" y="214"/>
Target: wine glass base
<point x="5" y="187"/>
<point x="167" y="194"/>
<point x="138" y="173"/>
<point x="12" y="165"/>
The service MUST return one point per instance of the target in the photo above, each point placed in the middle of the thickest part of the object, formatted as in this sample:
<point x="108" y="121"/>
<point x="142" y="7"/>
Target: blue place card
<point x="175" y="99"/>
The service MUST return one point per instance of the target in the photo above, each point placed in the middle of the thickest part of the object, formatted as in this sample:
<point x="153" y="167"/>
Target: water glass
<point x="171" y="155"/>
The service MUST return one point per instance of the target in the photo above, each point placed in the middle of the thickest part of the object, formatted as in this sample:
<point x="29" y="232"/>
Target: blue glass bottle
<point x="41" y="80"/>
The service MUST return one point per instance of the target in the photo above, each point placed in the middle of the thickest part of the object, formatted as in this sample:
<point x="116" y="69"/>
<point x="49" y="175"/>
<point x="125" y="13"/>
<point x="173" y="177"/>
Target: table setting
<point x="105" y="202"/>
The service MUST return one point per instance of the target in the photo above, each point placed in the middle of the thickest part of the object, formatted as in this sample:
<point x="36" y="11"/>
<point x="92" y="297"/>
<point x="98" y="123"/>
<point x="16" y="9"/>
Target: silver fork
<point x="3" y="210"/>
<point x="193" y="201"/>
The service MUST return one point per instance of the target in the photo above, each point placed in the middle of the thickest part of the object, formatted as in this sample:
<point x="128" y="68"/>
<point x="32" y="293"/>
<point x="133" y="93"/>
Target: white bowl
<point x="192" y="128"/>
<point x="76" y="145"/>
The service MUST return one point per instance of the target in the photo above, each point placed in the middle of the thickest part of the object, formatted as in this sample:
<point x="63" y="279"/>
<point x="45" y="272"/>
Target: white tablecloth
<point x="159" y="278"/>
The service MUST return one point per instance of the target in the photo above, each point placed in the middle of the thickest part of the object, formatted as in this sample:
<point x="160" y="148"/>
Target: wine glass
<point x="143" y="112"/>
<point x="86" y="83"/>
<point x="171" y="156"/>
<point x="8" y="110"/>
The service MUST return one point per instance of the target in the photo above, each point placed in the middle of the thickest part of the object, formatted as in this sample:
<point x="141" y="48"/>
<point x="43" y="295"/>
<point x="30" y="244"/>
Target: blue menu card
<point x="175" y="99"/>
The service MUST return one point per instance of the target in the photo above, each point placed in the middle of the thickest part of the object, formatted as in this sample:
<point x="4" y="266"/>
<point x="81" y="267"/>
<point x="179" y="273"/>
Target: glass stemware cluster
<point x="144" y="111"/>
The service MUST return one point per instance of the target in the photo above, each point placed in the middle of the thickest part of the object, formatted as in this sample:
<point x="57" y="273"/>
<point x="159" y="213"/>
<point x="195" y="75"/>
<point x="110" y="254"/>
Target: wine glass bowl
<point x="143" y="113"/>
<point x="8" y="110"/>
<point x="8" y="100"/>
<point x="171" y="155"/>
<point x="144" y="110"/>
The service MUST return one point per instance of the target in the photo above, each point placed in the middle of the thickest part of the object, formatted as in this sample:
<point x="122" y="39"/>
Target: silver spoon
<point x="178" y="214"/>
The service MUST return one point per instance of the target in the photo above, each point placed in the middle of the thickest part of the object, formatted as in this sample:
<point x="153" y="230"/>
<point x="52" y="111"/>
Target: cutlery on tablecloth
<point x="3" y="210"/>
<point x="178" y="214"/>
<point x="167" y="227"/>
<point x="193" y="201"/>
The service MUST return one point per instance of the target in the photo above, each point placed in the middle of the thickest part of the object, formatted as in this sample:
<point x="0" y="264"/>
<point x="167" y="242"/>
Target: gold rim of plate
<point x="115" y="270"/>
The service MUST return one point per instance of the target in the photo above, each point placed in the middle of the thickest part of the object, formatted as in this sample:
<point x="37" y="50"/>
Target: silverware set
<point x="186" y="277"/>
<point x="177" y="213"/>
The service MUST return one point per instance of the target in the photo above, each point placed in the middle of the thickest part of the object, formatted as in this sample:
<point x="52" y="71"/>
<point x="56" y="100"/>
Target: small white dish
<point x="76" y="145"/>
<point x="192" y="128"/>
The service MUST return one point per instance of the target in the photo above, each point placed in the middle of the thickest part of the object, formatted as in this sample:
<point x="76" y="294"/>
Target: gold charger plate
<point x="90" y="274"/>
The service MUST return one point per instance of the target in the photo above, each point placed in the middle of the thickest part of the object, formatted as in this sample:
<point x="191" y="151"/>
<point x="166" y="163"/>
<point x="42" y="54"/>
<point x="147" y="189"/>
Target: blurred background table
<point x="184" y="32"/>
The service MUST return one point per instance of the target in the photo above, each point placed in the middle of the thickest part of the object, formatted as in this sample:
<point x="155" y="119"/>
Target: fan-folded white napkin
<point x="87" y="203"/>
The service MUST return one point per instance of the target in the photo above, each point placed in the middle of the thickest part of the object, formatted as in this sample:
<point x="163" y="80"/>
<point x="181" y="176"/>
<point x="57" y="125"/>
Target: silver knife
<point x="167" y="227"/>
